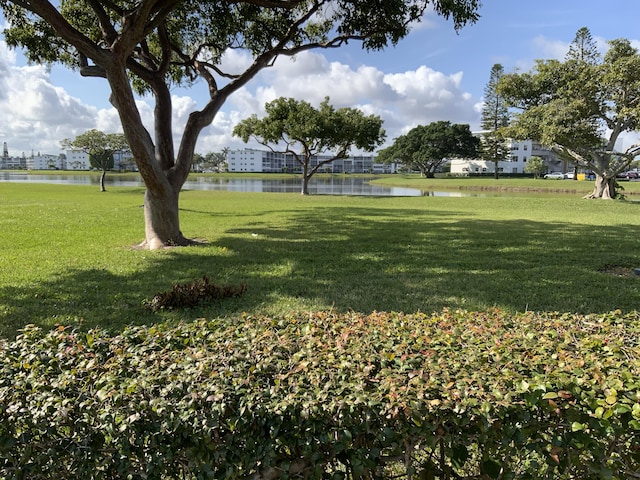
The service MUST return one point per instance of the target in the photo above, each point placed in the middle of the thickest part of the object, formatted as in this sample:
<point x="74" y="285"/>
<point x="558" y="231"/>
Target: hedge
<point x="450" y="395"/>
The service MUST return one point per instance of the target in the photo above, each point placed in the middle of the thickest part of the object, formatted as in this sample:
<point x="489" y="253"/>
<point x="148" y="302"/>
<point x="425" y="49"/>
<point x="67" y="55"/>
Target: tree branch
<point x="284" y="4"/>
<point x="87" y="70"/>
<point x="108" y="31"/>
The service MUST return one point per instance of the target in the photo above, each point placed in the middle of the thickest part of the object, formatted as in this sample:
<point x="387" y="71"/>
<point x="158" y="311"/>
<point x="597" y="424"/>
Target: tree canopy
<point x="426" y="147"/>
<point x="580" y="107"/>
<point x="305" y="132"/>
<point x="149" y="46"/>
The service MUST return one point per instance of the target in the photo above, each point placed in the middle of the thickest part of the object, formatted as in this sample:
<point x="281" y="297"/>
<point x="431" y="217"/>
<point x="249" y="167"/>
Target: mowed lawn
<point x="67" y="254"/>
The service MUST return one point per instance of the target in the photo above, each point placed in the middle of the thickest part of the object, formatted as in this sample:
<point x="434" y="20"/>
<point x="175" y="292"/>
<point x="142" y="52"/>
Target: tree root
<point x="157" y="244"/>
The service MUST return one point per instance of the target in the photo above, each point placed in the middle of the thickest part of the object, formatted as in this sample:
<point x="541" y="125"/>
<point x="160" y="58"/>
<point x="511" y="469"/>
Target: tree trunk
<point x="102" y="177"/>
<point x="305" y="178"/>
<point x="605" y="188"/>
<point x="161" y="220"/>
<point x="305" y="185"/>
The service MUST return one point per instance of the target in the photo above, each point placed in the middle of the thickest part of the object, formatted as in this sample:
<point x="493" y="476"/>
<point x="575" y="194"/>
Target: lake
<point x="343" y="185"/>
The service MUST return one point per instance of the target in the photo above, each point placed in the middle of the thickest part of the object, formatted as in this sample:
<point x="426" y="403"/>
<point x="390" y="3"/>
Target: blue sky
<point x="433" y="74"/>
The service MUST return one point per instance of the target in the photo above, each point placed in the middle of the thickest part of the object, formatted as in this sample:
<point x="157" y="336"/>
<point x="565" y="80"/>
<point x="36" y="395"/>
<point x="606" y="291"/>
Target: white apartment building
<point x="77" y="160"/>
<point x="124" y="161"/>
<point x="13" y="163"/>
<point x="266" y="161"/>
<point x="521" y="151"/>
<point x="74" y="160"/>
<point x="45" y="162"/>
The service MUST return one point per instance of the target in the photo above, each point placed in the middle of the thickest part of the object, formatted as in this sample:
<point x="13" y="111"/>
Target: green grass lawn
<point x="67" y="254"/>
<point x="489" y="184"/>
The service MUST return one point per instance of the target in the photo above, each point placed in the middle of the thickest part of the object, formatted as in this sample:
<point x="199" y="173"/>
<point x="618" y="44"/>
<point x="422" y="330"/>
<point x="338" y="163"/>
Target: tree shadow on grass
<point x="412" y="260"/>
<point x="359" y="259"/>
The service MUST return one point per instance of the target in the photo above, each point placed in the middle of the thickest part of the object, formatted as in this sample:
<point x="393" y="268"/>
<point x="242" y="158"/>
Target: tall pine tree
<point x="583" y="48"/>
<point x="495" y="116"/>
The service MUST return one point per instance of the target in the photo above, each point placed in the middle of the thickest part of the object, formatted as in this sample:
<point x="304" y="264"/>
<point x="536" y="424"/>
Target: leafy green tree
<point x="570" y="105"/>
<point x="216" y="160"/>
<point x="209" y="161"/>
<point x="495" y="116"/>
<point x="426" y="147"/>
<point x="100" y="146"/>
<point x="150" y="46"/>
<point x="535" y="165"/>
<point x="196" y="162"/>
<point x="297" y="128"/>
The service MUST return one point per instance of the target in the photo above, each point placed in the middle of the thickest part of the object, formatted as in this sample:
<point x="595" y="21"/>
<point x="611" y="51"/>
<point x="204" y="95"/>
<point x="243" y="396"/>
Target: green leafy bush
<point x="450" y="395"/>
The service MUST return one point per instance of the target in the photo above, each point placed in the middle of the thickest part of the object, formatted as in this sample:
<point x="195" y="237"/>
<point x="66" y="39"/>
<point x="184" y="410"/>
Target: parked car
<point x="569" y="175"/>
<point x="631" y="175"/>
<point x="622" y="176"/>
<point x="555" y="176"/>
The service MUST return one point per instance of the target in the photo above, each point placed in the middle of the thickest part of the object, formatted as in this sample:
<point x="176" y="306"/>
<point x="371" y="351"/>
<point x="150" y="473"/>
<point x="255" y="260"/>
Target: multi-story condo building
<point x="266" y="161"/>
<point x="70" y="160"/>
<point x="76" y="160"/>
<point x="521" y="151"/>
<point x="46" y="162"/>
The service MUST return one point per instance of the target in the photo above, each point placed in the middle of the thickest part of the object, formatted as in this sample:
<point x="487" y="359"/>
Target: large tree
<point x="426" y="147"/>
<point x="495" y="116"/>
<point x="149" y="46"/>
<point x="297" y="128"/>
<point x="580" y="107"/>
<point x="101" y="147"/>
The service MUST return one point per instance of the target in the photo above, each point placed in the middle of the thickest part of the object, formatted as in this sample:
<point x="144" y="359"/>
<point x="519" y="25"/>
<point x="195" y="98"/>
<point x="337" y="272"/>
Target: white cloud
<point x="547" y="49"/>
<point x="426" y="96"/>
<point x="39" y="114"/>
<point x="310" y="76"/>
<point x="36" y="114"/>
<point x="403" y="100"/>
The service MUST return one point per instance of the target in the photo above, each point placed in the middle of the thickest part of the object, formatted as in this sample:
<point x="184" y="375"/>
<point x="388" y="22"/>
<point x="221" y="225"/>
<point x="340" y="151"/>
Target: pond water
<point x="317" y="186"/>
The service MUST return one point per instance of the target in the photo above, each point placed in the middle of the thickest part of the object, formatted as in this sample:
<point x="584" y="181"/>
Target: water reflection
<point x="343" y="185"/>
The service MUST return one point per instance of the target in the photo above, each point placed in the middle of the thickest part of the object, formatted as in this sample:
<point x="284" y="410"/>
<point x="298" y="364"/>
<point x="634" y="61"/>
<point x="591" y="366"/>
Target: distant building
<point x="76" y="160"/>
<point x="124" y="161"/>
<point x="11" y="163"/>
<point x="266" y="161"/>
<point x="45" y="162"/>
<point x="520" y="152"/>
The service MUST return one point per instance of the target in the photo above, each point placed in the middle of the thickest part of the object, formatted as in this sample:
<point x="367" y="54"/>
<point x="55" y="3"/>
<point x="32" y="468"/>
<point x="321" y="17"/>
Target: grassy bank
<point x="66" y="254"/>
<point x="504" y="184"/>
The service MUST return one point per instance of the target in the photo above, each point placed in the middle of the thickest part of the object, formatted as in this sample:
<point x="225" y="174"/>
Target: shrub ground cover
<point x="451" y="395"/>
<point x="67" y="254"/>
